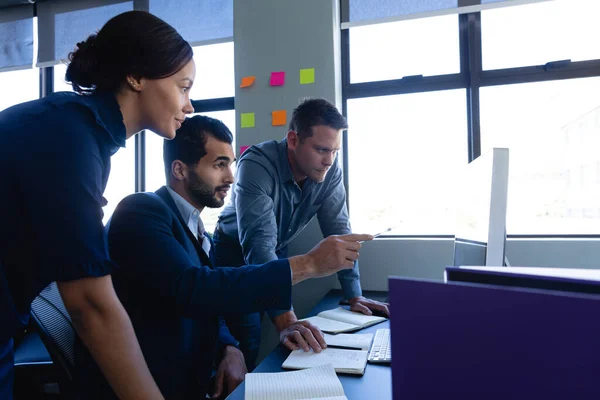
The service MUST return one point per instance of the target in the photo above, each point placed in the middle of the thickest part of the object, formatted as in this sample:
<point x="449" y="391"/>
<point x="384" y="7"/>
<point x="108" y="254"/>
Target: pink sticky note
<point x="243" y="149"/>
<point x="277" y="78"/>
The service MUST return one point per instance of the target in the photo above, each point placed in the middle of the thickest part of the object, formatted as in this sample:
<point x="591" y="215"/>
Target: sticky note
<point x="247" y="81"/>
<point x="277" y="78"/>
<point x="279" y="117"/>
<point x="247" y="120"/>
<point x="307" y="76"/>
<point x="243" y="149"/>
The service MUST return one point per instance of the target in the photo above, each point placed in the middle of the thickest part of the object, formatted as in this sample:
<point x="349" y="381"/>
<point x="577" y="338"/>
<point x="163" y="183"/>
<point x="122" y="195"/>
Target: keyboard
<point x="381" y="349"/>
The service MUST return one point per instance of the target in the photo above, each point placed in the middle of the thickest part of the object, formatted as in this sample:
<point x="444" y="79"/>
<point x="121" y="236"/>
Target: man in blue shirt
<point x="280" y="187"/>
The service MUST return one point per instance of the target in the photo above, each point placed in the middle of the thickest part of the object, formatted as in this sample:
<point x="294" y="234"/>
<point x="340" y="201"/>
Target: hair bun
<point x="83" y="69"/>
<point x="87" y="44"/>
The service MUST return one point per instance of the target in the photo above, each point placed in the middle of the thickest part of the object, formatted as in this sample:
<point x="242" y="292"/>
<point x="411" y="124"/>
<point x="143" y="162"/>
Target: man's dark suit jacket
<point x="174" y="297"/>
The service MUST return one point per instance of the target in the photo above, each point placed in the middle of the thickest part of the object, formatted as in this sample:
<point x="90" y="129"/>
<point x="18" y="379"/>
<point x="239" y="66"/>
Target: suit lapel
<point x="211" y="254"/>
<point x="164" y="194"/>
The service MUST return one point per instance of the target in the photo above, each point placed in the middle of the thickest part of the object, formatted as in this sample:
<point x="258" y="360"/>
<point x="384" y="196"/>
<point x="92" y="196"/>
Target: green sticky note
<point x="247" y="120"/>
<point x="307" y="76"/>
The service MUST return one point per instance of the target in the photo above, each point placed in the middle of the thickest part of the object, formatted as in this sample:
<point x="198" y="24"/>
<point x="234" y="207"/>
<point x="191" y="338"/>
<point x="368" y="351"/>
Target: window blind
<point x="63" y="23"/>
<point x="16" y="37"/>
<point x="199" y="22"/>
<point x="368" y="12"/>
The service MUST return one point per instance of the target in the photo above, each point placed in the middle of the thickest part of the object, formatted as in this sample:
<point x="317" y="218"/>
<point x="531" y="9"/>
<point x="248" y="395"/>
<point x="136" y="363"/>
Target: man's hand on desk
<point x="295" y="334"/>
<point x="369" y="307"/>
<point x="230" y="373"/>
<point x="330" y="255"/>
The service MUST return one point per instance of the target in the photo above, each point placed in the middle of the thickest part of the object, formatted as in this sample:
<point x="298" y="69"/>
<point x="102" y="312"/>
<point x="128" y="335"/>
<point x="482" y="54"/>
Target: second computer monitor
<point x="481" y="211"/>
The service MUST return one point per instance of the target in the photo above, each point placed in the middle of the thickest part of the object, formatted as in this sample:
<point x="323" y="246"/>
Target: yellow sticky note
<point x="307" y="76"/>
<point x="279" y="117"/>
<point x="247" y="120"/>
<point x="247" y="81"/>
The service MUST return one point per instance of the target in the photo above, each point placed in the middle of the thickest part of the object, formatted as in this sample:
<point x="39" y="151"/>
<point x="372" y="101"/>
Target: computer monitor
<point x="473" y="341"/>
<point x="481" y="211"/>
<point x="569" y="280"/>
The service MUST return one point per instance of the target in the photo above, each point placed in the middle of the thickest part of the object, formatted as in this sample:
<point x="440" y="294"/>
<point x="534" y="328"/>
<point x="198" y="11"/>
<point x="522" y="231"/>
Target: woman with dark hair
<point x="55" y="152"/>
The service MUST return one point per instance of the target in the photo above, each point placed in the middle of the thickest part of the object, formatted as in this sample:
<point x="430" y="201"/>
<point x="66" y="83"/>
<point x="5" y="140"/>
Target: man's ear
<point x="179" y="170"/>
<point x="292" y="139"/>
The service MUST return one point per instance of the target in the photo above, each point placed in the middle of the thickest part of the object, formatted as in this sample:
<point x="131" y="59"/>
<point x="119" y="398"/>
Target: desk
<point x="376" y="383"/>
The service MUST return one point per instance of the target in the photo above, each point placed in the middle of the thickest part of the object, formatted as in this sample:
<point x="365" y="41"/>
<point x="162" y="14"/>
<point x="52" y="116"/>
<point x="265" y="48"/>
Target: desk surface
<point x="376" y="383"/>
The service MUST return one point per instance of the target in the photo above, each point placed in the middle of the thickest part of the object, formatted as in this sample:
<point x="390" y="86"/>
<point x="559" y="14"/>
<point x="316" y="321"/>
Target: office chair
<point x="35" y="373"/>
<point x="53" y="323"/>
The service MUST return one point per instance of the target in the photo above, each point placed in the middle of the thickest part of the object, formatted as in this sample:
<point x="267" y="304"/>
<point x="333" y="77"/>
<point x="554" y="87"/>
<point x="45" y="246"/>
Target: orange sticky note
<point x="279" y="117"/>
<point x="247" y="81"/>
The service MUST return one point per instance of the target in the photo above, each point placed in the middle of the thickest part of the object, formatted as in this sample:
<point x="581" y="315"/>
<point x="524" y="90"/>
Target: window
<point x="59" y="79"/>
<point x="214" y="71"/>
<point x="382" y="52"/>
<point x="19" y="87"/>
<point x="418" y="133"/>
<point x="121" y="181"/>
<point x="409" y="177"/>
<point x="535" y="34"/>
<point x="553" y="132"/>
<point x="400" y="185"/>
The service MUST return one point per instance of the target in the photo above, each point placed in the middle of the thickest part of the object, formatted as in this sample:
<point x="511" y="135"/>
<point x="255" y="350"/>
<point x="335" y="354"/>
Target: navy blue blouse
<point x="54" y="164"/>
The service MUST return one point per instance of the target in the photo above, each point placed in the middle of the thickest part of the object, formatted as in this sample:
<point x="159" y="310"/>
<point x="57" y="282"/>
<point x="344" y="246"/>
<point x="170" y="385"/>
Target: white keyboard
<point x="381" y="349"/>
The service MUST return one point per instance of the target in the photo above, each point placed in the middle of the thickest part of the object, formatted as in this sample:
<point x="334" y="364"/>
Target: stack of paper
<point x="320" y="383"/>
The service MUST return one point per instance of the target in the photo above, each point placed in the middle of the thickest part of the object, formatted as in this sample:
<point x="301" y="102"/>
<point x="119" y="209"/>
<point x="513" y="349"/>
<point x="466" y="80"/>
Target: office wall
<point x="426" y="258"/>
<point x="285" y="35"/>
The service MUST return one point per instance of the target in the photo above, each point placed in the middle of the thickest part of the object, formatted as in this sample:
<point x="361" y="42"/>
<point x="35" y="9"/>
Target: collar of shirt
<point x="108" y="114"/>
<point x="106" y="110"/>
<point x="189" y="213"/>
<point x="286" y="174"/>
<point x="285" y="170"/>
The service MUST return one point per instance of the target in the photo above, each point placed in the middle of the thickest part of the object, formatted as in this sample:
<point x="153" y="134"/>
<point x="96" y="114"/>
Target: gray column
<point x="285" y="35"/>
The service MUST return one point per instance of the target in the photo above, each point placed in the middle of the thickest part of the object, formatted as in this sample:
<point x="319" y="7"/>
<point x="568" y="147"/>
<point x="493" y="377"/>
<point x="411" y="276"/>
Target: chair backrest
<point x="53" y="322"/>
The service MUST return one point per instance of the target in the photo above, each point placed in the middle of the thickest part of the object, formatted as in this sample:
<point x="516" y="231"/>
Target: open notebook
<point x="320" y="383"/>
<point x="341" y="320"/>
<point x="343" y="361"/>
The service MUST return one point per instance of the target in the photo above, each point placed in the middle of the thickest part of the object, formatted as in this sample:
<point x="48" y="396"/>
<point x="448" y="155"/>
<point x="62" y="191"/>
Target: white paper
<point x="350" y="317"/>
<point x="342" y="360"/>
<point x="314" y="383"/>
<point x="360" y="341"/>
<point x="330" y="325"/>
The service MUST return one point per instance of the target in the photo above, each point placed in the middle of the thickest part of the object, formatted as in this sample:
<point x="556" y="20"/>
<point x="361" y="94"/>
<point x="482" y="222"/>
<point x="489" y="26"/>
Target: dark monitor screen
<point x="557" y="279"/>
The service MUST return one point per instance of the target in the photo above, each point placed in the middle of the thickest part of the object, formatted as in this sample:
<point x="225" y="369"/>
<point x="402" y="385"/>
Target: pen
<point x="378" y="234"/>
